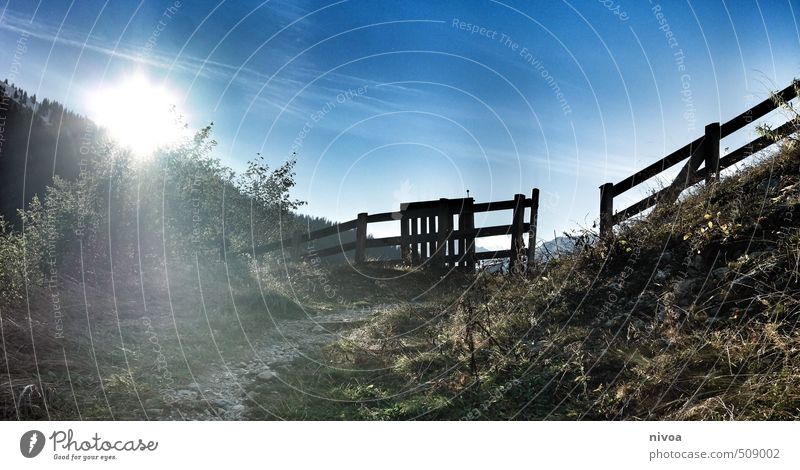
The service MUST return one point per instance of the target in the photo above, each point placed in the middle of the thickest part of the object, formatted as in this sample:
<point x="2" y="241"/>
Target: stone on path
<point x="266" y="375"/>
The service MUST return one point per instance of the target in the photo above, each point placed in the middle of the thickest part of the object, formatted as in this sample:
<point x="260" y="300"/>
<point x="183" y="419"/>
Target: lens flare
<point x="138" y="114"/>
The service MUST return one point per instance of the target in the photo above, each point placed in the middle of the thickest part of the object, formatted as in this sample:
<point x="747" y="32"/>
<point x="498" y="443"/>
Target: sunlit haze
<point x="139" y="114"/>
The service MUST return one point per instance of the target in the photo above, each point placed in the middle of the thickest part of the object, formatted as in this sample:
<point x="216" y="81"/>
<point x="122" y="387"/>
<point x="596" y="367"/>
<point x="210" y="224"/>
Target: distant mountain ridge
<point x="561" y="245"/>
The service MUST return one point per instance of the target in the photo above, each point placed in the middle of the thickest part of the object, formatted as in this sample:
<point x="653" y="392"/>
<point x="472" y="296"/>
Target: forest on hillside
<point x="40" y="139"/>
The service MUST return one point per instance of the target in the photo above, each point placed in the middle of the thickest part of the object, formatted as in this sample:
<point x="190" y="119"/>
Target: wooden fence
<point x="439" y="233"/>
<point x="442" y="233"/>
<point x="705" y="149"/>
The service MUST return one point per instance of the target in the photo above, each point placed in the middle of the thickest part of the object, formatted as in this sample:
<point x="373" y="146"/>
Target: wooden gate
<point x="439" y="233"/>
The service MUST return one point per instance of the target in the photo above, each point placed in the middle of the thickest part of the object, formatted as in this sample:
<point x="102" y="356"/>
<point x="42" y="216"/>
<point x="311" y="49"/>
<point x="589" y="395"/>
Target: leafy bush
<point x="182" y="204"/>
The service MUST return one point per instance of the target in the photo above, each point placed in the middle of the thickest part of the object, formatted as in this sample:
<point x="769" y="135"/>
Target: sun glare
<point x="138" y="114"/>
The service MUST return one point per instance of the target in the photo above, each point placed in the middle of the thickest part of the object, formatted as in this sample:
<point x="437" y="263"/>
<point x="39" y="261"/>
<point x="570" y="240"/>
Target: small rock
<point x="186" y="394"/>
<point x="238" y="408"/>
<point x="252" y="395"/>
<point x="222" y="403"/>
<point x="660" y="276"/>
<point x="666" y="257"/>
<point x="266" y="375"/>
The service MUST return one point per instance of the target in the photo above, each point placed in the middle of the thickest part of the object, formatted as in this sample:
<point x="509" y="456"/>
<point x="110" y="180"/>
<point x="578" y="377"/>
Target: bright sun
<point x="138" y="114"/>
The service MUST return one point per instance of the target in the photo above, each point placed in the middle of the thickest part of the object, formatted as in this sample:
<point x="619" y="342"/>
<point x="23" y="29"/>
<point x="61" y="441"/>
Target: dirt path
<point x="220" y="393"/>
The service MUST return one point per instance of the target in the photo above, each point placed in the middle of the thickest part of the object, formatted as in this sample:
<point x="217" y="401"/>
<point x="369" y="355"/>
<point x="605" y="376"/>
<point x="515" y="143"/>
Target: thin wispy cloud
<point x="202" y="67"/>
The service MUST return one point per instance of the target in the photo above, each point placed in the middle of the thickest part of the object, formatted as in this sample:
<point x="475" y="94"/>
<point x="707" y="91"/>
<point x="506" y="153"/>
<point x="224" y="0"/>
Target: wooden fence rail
<point x="703" y="150"/>
<point x="439" y="233"/>
<point x="442" y="233"/>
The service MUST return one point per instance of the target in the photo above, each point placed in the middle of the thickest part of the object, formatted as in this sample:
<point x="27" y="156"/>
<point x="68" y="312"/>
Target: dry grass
<point x="687" y="313"/>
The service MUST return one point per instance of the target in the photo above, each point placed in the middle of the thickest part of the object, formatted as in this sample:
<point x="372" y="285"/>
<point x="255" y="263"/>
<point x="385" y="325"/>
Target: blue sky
<point x="387" y="102"/>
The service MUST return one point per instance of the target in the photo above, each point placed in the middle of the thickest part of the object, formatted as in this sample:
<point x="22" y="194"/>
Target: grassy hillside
<point x="688" y="313"/>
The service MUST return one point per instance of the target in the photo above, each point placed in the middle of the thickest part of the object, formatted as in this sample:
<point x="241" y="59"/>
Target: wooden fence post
<point x="466" y="223"/>
<point x="443" y="233"/>
<point x="517" y="229"/>
<point x="534" y="219"/>
<point x="432" y="230"/>
<point x="404" y="238"/>
<point x="414" y="240"/>
<point x="461" y="241"/>
<point x="469" y="224"/>
<point x="361" y="238"/>
<point x="606" y="209"/>
<point x="711" y="151"/>
<point x="423" y="245"/>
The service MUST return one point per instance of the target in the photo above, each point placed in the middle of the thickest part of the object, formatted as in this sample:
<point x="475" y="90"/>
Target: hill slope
<point x="39" y="140"/>
<point x="688" y="313"/>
